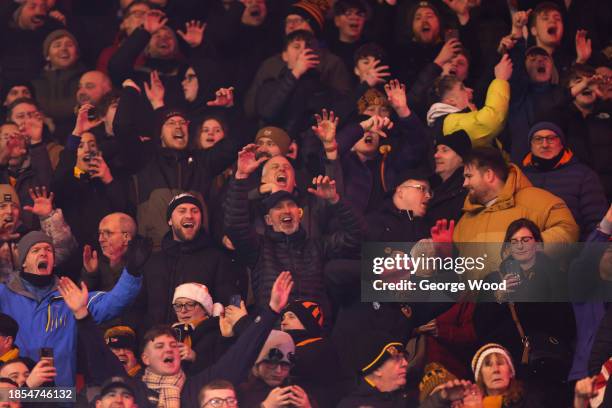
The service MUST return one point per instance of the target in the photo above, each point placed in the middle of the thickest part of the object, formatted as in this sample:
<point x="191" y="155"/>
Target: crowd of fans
<point x="186" y="187"/>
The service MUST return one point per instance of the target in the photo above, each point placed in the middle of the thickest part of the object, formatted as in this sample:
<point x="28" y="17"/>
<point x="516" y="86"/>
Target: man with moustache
<point x="187" y="255"/>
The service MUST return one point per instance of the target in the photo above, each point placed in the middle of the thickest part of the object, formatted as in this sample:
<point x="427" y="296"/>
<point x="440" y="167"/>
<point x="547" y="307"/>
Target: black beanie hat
<point x="373" y="349"/>
<point x="459" y="141"/>
<point x="309" y="313"/>
<point x="183" y="198"/>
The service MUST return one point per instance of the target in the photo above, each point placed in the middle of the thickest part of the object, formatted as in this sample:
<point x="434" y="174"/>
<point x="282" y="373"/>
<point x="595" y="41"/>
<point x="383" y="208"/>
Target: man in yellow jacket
<point x="454" y="111"/>
<point x="498" y="194"/>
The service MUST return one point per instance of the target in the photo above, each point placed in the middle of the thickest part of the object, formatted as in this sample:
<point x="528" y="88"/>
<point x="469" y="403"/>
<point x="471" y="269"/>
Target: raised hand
<point x="224" y="97"/>
<point x="99" y="169"/>
<point x="154" y="20"/>
<point x="455" y="390"/>
<point x="326" y="127"/>
<point x="583" y="47"/>
<point x="442" y="232"/>
<point x="377" y="124"/>
<point x="43" y="372"/>
<point x="325" y="189"/>
<point x="306" y="60"/>
<point x="449" y="51"/>
<point x="186" y="352"/>
<point x="375" y="74"/>
<point x="156" y="91"/>
<point x="503" y="69"/>
<point x="75" y="298"/>
<point x="8" y="253"/>
<point x="247" y="163"/>
<point x="43" y="202"/>
<point x="90" y="259"/>
<point x="506" y="44"/>
<point x="279" y="296"/>
<point x="461" y="9"/>
<point x="15" y="146"/>
<point x="83" y="124"/>
<point x="55" y="14"/>
<point x="519" y="20"/>
<point x="396" y="94"/>
<point x="229" y="318"/>
<point x="194" y="33"/>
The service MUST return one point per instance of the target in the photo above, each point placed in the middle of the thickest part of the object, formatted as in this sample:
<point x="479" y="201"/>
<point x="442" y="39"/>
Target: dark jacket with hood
<point x="274" y="252"/>
<point x="448" y="198"/>
<point x="183" y="262"/>
<point x="573" y="182"/>
<point x="365" y="182"/>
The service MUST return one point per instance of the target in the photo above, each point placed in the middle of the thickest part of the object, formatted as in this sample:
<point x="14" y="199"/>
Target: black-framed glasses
<point x="187" y="306"/>
<point x="538" y="140"/>
<point x="219" y="402"/>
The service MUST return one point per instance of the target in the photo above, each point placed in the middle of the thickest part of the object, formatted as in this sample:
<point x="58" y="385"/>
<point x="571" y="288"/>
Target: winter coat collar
<point x="16" y="285"/>
<point x="516" y="181"/>
<point x="172" y="247"/>
<point x="567" y="158"/>
<point x="299" y="235"/>
<point x="438" y="110"/>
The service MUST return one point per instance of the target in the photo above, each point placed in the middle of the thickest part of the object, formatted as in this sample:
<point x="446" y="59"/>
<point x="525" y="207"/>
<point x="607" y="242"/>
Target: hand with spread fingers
<point x="224" y="97"/>
<point x="155" y="91"/>
<point x="90" y="259"/>
<point x="194" y="33"/>
<point x="75" y="298"/>
<point x="247" y="163"/>
<point x="43" y="202"/>
<point x="396" y="94"/>
<point x="279" y="296"/>
<point x="325" y="189"/>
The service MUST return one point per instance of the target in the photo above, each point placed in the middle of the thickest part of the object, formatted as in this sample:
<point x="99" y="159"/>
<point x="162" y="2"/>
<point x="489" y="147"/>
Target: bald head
<point x="93" y="85"/>
<point x="116" y="230"/>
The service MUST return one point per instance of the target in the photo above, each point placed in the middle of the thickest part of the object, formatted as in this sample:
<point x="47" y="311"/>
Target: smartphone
<point x="92" y="114"/>
<point x="450" y="34"/>
<point x="46" y="353"/>
<point x="179" y="334"/>
<point x="235" y="300"/>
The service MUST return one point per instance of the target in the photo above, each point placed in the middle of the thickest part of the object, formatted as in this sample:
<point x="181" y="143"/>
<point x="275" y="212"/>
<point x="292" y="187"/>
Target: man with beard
<point x="498" y="194"/>
<point x="115" y="232"/>
<point x="33" y="300"/>
<point x="187" y="255"/>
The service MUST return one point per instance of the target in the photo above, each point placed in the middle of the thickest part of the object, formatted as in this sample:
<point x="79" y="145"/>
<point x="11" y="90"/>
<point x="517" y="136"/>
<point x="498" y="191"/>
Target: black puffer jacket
<point x="576" y="184"/>
<point x="183" y="262"/>
<point x="274" y="252"/>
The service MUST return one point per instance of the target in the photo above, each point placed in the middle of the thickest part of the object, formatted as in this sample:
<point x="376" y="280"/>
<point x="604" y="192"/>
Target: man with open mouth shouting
<point x="33" y="300"/>
<point x="187" y="255"/>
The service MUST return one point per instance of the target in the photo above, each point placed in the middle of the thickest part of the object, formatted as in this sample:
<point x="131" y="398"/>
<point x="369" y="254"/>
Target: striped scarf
<point x="168" y="388"/>
<point x="601" y="381"/>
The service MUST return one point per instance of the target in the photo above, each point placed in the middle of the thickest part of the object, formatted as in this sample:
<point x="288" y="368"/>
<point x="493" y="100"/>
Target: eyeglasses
<point x="189" y="306"/>
<point x="219" y="402"/>
<point x="522" y="240"/>
<point x="107" y="233"/>
<point x="397" y="354"/>
<point x="28" y="115"/>
<point x="540" y="139"/>
<point x="425" y="190"/>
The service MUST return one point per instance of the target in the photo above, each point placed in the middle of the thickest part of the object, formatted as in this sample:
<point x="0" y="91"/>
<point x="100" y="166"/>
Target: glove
<point x="139" y="250"/>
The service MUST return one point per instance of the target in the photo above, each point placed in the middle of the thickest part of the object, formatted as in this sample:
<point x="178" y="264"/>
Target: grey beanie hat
<point x="28" y="241"/>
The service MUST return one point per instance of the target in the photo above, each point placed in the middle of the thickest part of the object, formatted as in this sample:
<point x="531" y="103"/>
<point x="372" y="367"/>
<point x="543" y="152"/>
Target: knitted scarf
<point x="167" y="386"/>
